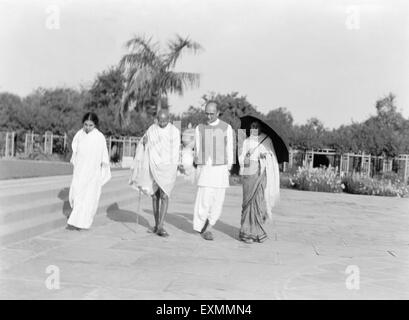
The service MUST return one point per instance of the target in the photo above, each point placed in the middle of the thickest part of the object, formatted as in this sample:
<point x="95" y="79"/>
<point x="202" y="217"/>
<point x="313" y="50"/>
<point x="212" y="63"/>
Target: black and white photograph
<point x="206" y="150"/>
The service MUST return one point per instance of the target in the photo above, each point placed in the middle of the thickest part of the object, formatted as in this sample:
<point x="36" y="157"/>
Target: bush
<point x="390" y="175"/>
<point x="317" y="179"/>
<point x="286" y="180"/>
<point x="358" y="184"/>
<point x="38" y="155"/>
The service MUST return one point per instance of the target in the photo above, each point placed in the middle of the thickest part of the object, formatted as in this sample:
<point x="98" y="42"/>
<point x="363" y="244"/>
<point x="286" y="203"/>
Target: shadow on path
<point x="184" y="222"/>
<point x="63" y="196"/>
<point x="177" y="220"/>
<point x="225" y="228"/>
<point x="120" y="215"/>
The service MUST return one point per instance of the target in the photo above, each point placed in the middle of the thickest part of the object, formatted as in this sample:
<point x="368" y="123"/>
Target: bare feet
<point x="162" y="233"/>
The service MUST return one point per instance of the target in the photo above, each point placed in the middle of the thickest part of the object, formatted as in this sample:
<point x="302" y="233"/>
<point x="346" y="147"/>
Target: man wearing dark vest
<point x="214" y="158"/>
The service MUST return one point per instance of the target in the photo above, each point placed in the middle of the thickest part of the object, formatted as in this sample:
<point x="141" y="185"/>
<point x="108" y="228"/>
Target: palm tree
<point x="150" y="76"/>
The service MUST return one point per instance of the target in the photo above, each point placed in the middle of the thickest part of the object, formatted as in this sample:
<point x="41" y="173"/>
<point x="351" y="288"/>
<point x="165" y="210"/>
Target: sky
<point x="317" y="58"/>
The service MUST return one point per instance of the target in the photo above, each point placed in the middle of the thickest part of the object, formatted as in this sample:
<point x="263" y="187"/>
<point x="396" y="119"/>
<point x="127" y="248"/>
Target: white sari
<point x="91" y="171"/>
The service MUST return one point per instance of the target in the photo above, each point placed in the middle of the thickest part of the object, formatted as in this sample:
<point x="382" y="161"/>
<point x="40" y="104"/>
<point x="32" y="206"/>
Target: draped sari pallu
<point x="261" y="189"/>
<point x="254" y="211"/>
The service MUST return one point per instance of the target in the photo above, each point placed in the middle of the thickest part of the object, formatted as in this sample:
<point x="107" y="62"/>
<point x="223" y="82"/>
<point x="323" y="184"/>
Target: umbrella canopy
<point x="280" y="146"/>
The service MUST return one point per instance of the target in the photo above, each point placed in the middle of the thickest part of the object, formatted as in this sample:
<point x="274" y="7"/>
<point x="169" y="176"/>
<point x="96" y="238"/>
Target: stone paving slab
<point x="313" y="238"/>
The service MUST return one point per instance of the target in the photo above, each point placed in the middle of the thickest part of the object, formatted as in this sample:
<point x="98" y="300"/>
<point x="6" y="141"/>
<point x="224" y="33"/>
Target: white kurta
<point x="91" y="171"/>
<point x="212" y="182"/>
<point x="208" y="174"/>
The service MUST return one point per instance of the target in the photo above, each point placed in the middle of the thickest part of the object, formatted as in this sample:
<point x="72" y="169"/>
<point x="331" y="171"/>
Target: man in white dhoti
<point x="91" y="171"/>
<point x="161" y="146"/>
<point x="214" y="158"/>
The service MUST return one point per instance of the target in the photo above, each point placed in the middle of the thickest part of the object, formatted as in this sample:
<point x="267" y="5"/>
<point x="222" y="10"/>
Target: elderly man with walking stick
<point x="155" y="166"/>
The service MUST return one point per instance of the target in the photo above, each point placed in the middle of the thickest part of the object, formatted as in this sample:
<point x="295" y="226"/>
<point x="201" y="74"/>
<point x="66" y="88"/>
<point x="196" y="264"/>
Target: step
<point x="28" y="185"/>
<point x="33" y="181"/>
<point x="25" y="210"/>
<point x="37" y="225"/>
<point x="50" y="192"/>
<point x="43" y="222"/>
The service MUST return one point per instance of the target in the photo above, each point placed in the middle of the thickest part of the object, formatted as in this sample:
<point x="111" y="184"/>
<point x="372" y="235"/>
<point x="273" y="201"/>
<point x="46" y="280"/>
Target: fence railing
<point x="23" y="145"/>
<point x="347" y="163"/>
<point x="122" y="149"/>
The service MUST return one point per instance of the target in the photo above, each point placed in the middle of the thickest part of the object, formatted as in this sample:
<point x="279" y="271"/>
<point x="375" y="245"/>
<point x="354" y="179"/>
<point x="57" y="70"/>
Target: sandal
<point x="72" y="228"/>
<point x="207" y="235"/>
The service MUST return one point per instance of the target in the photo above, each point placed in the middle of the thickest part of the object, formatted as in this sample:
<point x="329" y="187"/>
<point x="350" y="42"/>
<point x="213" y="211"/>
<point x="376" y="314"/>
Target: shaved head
<point x="163" y="118"/>
<point x="211" y="107"/>
<point x="211" y="111"/>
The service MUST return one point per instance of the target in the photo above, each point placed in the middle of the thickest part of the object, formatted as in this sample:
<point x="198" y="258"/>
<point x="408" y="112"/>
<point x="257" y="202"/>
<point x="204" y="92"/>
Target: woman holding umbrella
<point x="261" y="180"/>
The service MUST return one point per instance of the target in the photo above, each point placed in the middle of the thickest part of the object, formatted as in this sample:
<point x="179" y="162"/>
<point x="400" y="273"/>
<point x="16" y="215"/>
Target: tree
<point x="104" y="98"/>
<point x="344" y="139"/>
<point x="106" y="90"/>
<point x="194" y="116"/>
<point x="282" y="120"/>
<point x="10" y="104"/>
<point x="385" y="133"/>
<point x="150" y="75"/>
<point x="231" y="107"/>
<point x="387" y="130"/>
<point x="58" y="110"/>
<point x="310" y="135"/>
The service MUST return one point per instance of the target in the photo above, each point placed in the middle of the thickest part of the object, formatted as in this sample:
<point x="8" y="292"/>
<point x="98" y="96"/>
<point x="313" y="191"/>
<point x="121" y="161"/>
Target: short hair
<point x="91" y="116"/>
<point x="164" y="112"/>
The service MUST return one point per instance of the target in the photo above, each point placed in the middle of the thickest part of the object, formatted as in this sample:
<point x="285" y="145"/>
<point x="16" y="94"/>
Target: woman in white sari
<point x="261" y="184"/>
<point x="91" y="171"/>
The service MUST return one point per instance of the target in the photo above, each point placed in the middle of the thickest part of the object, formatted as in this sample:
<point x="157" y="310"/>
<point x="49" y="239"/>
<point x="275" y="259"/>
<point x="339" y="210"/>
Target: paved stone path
<point x="313" y="239"/>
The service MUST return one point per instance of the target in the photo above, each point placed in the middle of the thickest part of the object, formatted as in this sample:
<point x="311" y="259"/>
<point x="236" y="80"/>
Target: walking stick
<point x="138" y="210"/>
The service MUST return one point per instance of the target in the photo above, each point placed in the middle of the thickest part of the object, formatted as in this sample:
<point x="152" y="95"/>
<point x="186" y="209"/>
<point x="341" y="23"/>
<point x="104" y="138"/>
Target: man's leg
<point x="201" y="210"/>
<point x="164" y="202"/>
<point x="155" y="205"/>
<point x="218" y="195"/>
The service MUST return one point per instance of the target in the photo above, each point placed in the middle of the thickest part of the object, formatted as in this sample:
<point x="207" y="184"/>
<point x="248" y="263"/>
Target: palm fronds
<point x="177" y="47"/>
<point x="148" y="72"/>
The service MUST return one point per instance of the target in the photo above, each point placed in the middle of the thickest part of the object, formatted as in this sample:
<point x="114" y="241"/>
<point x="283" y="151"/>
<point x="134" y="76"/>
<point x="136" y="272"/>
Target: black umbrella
<point x="280" y="146"/>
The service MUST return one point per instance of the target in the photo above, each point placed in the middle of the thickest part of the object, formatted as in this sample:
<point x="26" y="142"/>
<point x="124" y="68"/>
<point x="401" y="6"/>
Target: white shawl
<point x="270" y="164"/>
<point x="161" y="152"/>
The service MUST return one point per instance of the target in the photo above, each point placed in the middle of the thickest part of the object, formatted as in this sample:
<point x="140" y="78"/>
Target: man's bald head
<point x="211" y="111"/>
<point x="163" y="118"/>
